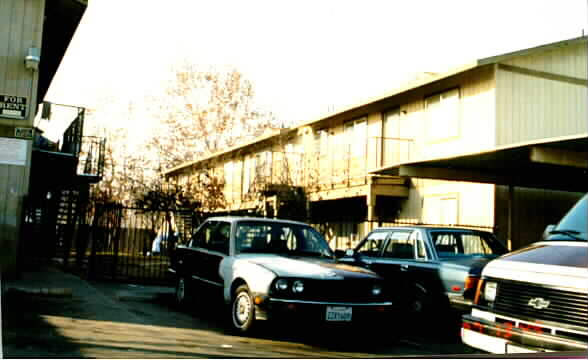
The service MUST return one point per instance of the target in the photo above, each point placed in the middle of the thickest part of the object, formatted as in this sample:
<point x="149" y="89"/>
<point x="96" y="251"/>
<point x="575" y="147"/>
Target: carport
<point x="550" y="164"/>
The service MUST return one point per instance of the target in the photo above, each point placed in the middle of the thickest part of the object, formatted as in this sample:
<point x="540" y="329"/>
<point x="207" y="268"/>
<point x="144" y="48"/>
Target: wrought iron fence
<point x="134" y="245"/>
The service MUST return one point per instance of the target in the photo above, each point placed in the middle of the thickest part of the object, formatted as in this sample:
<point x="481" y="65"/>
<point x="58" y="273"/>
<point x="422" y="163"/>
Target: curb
<point x="55" y="292"/>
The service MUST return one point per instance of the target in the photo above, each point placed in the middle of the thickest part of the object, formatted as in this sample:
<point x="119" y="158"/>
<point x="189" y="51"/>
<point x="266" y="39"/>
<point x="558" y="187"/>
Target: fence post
<point x="117" y="215"/>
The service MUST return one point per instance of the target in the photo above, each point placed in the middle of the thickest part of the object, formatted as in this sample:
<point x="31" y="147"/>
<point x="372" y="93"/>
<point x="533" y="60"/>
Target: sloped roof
<point x="420" y="82"/>
<point x="433" y="77"/>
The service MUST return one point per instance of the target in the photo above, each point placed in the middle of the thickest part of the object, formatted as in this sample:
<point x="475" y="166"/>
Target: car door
<point x="422" y="271"/>
<point x="391" y="262"/>
<point x="369" y="249"/>
<point x="191" y="259"/>
<point x="187" y="260"/>
<point x="214" y="249"/>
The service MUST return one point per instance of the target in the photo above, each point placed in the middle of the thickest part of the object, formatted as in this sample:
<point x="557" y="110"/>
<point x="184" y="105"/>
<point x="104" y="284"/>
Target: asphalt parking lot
<point x="113" y="320"/>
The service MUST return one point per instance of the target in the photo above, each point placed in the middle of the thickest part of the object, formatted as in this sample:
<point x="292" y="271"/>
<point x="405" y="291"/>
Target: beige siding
<point x="22" y="24"/>
<point x="475" y="203"/>
<point x="476" y="118"/>
<point x="24" y="19"/>
<point x="531" y="107"/>
<point x="12" y="189"/>
<point x="533" y="210"/>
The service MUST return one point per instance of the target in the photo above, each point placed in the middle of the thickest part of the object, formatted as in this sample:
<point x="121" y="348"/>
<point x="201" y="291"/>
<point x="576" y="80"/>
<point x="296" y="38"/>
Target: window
<point x="356" y="137"/>
<point x="391" y="150"/>
<point x="475" y="244"/>
<point x="400" y="245"/>
<point x="228" y="172"/>
<point x="417" y="239"/>
<point x="448" y="243"/>
<point x="214" y="236"/>
<point x="442" y="114"/>
<point x="247" y="174"/>
<point x="268" y="237"/>
<point x="373" y="245"/>
<point x="321" y="144"/>
<point x="441" y="209"/>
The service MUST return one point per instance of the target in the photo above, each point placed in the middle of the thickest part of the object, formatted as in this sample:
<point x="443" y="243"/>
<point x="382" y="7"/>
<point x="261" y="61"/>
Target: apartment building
<point x="498" y="143"/>
<point x="33" y="39"/>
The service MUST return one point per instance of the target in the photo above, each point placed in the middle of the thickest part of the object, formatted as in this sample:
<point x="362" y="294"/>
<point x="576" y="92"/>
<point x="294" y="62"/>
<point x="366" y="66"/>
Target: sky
<point x="305" y="58"/>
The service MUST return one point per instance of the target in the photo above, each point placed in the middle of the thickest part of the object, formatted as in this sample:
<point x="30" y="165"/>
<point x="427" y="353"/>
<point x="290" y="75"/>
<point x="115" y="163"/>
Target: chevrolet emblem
<point x="539" y="303"/>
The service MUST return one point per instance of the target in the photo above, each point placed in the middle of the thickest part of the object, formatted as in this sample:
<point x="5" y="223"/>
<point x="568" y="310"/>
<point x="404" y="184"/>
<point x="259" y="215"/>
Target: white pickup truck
<point x="535" y="299"/>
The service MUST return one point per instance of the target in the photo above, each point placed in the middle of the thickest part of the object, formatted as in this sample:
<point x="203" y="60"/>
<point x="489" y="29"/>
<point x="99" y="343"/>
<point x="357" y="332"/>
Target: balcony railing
<point x="343" y="166"/>
<point x="89" y="150"/>
<point x="91" y="157"/>
<point x="72" y="137"/>
<point x="350" y="164"/>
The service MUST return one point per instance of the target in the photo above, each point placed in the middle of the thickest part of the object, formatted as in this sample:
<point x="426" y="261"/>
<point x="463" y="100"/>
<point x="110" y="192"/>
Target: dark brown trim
<point x="544" y="75"/>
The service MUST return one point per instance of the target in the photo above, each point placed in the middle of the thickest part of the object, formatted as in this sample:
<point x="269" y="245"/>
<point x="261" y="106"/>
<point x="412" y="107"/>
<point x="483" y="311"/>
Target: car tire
<point x="419" y="304"/>
<point x="182" y="292"/>
<point x="242" y="310"/>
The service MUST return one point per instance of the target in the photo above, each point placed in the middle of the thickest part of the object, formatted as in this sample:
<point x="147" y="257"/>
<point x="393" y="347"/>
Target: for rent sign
<point x="13" y="106"/>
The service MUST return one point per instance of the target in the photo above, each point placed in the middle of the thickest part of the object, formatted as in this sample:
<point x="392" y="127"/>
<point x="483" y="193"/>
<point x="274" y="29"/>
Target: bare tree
<point x="203" y="112"/>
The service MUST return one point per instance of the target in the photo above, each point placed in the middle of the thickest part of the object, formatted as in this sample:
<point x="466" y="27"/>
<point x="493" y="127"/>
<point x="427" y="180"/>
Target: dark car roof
<point x="429" y="227"/>
<point x="252" y="218"/>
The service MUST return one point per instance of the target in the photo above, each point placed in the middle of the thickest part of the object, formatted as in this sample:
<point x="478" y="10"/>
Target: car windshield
<point x="574" y="223"/>
<point x="459" y="243"/>
<point x="280" y="238"/>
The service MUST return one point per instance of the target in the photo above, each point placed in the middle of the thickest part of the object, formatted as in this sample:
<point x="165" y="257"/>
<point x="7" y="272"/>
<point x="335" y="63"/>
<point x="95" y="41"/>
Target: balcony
<point x="91" y="158"/>
<point x="350" y="164"/>
<point x="79" y="158"/>
<point x="344" y="166"/>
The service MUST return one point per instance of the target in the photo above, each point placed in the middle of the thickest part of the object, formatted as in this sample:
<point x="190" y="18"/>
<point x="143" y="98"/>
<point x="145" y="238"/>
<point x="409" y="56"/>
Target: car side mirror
<point x="339" y="253"/>
<point x="548" y="229"/>
<point x="349" y="253"/>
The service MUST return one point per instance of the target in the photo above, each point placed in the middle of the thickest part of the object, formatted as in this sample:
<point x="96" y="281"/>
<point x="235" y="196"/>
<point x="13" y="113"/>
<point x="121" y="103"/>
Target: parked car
<point x="536" y="299"/>
<point x="267" y="268"/>
<point x="428" y="267"/>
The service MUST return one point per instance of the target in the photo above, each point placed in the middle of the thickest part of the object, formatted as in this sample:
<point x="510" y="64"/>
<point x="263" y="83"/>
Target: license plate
<point x="339" y="313"/>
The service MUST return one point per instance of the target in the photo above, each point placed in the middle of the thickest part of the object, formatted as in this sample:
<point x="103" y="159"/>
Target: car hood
<point x="475" y="264"/>
<point x="553" y="263"/>
<point x="308" y="267"/>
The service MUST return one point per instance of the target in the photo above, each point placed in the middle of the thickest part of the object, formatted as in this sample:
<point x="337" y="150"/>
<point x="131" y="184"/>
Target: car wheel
<point x="419" y="305"/>
<point x="242" y="310"/>
<point x="182" y="291"/>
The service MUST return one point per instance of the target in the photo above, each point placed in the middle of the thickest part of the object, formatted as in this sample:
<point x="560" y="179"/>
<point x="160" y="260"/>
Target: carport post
<point x="371" y="205"/>
<point x="510" y="216"/>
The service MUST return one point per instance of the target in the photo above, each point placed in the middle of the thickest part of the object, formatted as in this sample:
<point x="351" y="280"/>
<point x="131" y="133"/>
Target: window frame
<point x="437" y="127"/>
<point x="390" y="240"/>
<point x="352" y="131"/>
<point x="204" y="242"/>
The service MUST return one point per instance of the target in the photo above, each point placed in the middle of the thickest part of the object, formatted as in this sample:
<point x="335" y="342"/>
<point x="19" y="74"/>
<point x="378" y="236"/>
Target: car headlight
<point x="376" y="290"/>
<point x="298" y="286"/>
<point x="490" y="291"/>
<point x="282" y="284"/>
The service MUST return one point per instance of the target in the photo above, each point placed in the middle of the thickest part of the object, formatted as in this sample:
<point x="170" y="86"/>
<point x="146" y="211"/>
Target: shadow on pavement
<point x="26" y="333"/>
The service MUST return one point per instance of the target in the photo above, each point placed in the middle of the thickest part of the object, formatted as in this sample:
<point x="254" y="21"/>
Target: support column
<point x="371" y="206"/>
<point x="510" y="217"/>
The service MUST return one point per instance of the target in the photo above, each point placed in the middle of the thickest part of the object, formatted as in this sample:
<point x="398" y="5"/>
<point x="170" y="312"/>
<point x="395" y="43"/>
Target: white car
<point x="536" y="299"/>
<point x="268" y="268"/>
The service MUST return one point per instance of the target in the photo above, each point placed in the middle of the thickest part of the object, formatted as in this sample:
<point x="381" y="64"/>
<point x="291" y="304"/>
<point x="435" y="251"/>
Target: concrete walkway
<point x="91" y="301"/>
<point x="51" y="281"/>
